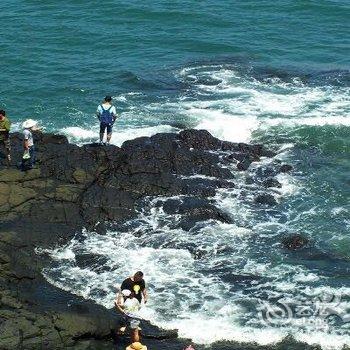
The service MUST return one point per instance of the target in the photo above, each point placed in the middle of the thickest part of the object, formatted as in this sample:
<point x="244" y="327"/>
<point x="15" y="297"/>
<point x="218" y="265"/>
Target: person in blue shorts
<point x="107" y="114"/>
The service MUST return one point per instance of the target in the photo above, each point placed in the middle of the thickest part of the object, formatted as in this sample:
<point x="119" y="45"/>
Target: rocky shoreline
<point x="97" y="187"/>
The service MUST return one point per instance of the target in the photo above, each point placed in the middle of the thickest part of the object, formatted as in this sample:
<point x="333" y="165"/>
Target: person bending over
<point x="128" y="306"/>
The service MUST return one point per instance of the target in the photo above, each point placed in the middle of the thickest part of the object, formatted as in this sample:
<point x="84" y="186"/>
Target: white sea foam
<point x="80" y="135"/>
<point x="306" y="277"/>
<point x="233" y="109"/>
<point x="333" y="342"/>
<point x="202" y="295"/>
<point x="237" y="106"/>
<point x="204" y="330"/>
<point x="175" y="297"/>
<point x="309" y="121"/>
<point x="339" y="211"/>
<point x="290" y="185"/>
<point x="187" y="299"/>
<point x="227" y="127"/>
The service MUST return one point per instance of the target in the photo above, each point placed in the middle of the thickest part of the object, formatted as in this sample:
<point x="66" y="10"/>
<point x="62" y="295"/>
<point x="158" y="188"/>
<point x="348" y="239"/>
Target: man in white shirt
<point x="107" y="114"/>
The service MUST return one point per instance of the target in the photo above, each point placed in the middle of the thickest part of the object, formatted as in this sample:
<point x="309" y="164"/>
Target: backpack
<point x="106" y="117"/>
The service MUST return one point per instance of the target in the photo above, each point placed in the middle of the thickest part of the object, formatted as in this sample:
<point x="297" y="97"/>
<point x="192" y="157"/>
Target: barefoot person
<point x="5" y="126"/>
<point x="107" y="114"/>
<point x="137" y="285"/>
<point x="128" y="306"/>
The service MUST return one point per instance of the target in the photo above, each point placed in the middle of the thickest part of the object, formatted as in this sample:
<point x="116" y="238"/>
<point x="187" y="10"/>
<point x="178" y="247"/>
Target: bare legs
<point x="135" y="335"/>
<point x="108" y="137"/>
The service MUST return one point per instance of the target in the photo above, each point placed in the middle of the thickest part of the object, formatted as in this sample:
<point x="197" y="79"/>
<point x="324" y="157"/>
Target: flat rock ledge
<point x="94" y="187"/>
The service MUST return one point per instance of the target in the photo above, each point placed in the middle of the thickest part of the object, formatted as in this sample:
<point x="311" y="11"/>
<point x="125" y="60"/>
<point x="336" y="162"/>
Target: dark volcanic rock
<point x="185" y="204"/>
<point x="200" y="139"/>
<point x="92" y="261"/>
<point x="203" y="214"/>
<point x="244" y="163"/>
<point x="265" y="198"/>
<point x="271" y="182"/>
<point x="294" y="242"/>
<point x="91" y="186"/>
<point x="285" y="168"/>
<point x="194" y="210"/>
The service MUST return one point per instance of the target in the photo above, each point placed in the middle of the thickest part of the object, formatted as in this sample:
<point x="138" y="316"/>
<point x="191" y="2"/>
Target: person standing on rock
<point x="136" y="285"/>
<point x="5" y="126"/>
<point x="28" y="144"/>
<point x="107" y="114"/>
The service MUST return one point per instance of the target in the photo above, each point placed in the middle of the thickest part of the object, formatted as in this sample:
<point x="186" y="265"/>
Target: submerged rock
<point x="184" y="204"/>
<point x="294" y="242"/>
<point x="93" y="261"/>
<point x="194" y="210"/>
<point x="285" y="168"/>
<point x="271" y="182"/>
<point x="202" y="214"/>
<point x="244" y="164"/>
<point x="265" y="198"/>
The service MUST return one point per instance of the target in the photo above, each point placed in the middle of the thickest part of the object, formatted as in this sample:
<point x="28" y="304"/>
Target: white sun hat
<point x="29" y="123"/>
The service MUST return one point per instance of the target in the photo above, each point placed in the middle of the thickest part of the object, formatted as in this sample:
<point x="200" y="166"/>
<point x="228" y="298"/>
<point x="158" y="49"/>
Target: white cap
<point x="29" y="123"/>
<point x="126" y="292"/>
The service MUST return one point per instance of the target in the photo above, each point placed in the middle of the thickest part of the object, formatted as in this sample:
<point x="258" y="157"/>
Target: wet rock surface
<point x="266" y="199"/>
<point x="89" y="187"/>
<point x="295" y="242"/>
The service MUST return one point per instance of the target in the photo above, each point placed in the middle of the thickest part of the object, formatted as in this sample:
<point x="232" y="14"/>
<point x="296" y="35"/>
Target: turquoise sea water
<point x="264" y="71"/>
<point x="59" y="58"/>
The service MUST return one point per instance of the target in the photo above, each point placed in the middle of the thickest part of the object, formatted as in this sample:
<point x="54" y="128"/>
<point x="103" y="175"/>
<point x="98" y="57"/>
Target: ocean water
<point x="252" y="71"/>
